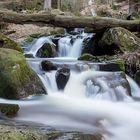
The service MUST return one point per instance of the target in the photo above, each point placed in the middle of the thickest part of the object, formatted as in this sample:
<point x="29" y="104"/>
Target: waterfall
<point x="66" y="49"/>
<point x="71" y="46"/>
<point x="92" y="102"/>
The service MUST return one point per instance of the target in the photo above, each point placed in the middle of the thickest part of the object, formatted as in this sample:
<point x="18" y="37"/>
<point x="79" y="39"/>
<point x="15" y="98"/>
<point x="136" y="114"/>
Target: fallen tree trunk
<point x="96" y="23"/>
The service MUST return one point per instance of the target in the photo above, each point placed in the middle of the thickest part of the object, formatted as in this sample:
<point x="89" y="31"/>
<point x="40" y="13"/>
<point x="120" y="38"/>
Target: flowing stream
<point x="92" y="102"/>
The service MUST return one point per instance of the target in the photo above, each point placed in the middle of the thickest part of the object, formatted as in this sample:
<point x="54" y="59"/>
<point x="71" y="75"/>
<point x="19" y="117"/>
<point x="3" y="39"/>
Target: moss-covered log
<point x="96" y="23"/>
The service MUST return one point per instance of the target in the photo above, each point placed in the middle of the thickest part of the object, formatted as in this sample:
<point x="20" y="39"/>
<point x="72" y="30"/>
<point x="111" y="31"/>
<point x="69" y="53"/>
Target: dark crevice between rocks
<point x="1" y="43"/>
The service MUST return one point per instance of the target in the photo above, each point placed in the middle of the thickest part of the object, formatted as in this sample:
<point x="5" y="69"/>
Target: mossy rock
<point x="17" y="80"/>
<point x="116" y="40"/>
<point x="87" y="57"/>
<point x="6" y="42"/>
<point x="47" y="50"/>
<point x="9" y="110"/>
<point x="121" y="64"/>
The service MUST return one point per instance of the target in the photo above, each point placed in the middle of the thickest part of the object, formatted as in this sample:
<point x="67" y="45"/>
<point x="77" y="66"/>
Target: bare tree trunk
<point x="47" y="5"/>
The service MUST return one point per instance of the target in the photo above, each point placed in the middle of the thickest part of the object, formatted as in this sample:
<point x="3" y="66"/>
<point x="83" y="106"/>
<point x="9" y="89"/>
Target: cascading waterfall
<point x="71" y="46"/>
<point x="66" y="49"/>
<point x="93" y="101"/>
<point x="37" y="44"/>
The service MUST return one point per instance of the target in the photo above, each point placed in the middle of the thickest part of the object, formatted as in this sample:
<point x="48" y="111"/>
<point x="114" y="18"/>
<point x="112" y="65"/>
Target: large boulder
<point x="17" y="80"/>
<point x="47" y="50"/>
<point x="118" y="40"/>
<point x="62" y="77"/>
<point x="5" y="42"/>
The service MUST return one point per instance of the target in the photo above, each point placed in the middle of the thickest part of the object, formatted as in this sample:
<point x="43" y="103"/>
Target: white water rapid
<point x="92" y="102"/>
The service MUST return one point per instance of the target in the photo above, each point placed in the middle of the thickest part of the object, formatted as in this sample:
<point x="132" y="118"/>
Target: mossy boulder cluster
<point x="119" y="39"/>
<point x="17" y="80"/>
<point x="112" y="41"/>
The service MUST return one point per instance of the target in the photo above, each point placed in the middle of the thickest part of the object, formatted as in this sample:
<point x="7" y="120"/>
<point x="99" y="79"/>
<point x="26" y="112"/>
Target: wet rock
<point x="117" y="40"/>
<point x="112" y="67"/>
<point x="68" y="30"/>
<point x="137" y="77"/>
<point x="73" y="33"/>
<point x="48" y="66"/>
<point x="73" y="39"/>
<point x="47" y="50"/>
<point x="17" y="80"/>
<point x="9" y="110"/>
<point x="62" y="77"/>
<point x="87" y="57"/>
<point x="107" y="63"/>
<point x="56" y="38"/>
<point x="29" y="55"/>
<point x="89" y="44"/>
<point x="6" y="42"/>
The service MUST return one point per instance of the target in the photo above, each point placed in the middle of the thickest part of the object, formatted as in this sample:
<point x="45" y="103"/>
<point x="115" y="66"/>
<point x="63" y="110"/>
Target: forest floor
<point x="17" y="31"/>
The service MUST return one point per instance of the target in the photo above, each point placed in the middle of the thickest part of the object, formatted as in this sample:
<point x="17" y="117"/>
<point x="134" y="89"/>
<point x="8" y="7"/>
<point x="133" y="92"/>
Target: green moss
<point x="47" y="50"/>
<point x="87" y="57"/>
<point x="121" y="64"/>
<point x="120" y="40"/>
<point x="9" y="109"/>
<point x="16" y="78"/>
<point x="5" y="42"/>
<point x="35" y="35"/>
<point x="28" y="39"/>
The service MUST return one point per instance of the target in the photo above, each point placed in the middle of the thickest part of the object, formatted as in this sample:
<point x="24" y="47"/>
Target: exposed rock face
<point x="115" y="40"/>
<point x="62" y="77"/>
<point x="5" y="42"/>
<point x="48" y="66"/>
<point x="17" y="80"/>
<point x="47" y="50"/>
